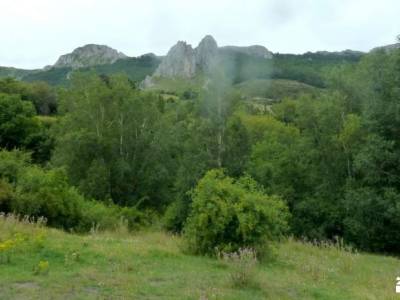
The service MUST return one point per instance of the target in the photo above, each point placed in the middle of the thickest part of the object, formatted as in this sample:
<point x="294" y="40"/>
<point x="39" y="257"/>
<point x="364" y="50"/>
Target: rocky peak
<point x="184" y="61"/>
<point x="206" y="53"/>
<point x="179" y="62"/>
<point x="89" y="55"/>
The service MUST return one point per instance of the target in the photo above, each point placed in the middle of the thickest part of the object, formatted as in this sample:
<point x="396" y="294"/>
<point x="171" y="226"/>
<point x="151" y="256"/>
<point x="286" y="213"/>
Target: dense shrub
<point x="372" y="219"/>
<point x="26" y="189"/>
<point x="175" y="215"/>
<point x="47" y="194"/>
<point x="101" y="216"/>
<point x="228" y="215"/>
<point x="21" y="128"/>
<point x="40" y="94"/>
<point x="11" y="163"/>
<point x="6" y="195"/>
<point x="16" y="121"/>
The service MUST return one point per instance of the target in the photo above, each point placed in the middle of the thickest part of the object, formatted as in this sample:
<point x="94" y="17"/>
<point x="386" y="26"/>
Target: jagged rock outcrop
<point x="89" y="55"/>
<point x="206" y="53"/>
<point x="182" y="61"/>
<point x="256" y="50"/>
<point x="179" y="62"/>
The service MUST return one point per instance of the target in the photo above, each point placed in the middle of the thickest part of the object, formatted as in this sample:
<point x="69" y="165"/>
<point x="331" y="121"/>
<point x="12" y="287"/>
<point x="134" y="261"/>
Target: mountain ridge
<point x="186" y="62"/>
<point x="88" y="55"/>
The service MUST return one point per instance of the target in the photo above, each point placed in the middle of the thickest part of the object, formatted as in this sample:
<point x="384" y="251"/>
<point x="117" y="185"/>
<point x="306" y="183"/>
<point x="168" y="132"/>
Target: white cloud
<point x="35" y="32"/>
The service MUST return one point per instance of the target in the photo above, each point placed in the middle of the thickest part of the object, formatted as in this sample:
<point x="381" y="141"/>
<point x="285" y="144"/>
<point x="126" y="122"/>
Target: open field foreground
<point x="42" y="263"/>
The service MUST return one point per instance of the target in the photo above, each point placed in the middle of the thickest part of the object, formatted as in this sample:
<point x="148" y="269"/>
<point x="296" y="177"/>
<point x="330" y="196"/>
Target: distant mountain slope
<point x="239" y="66"/>
<point x="311" y="68"/>
<point x="272" y="89"/>
<point x="14" y="72"/>
<point x="53" y="76"/>
<point x="387" y="48"/>
<point x="135" y="68"/>
<point x="255" y="50"/>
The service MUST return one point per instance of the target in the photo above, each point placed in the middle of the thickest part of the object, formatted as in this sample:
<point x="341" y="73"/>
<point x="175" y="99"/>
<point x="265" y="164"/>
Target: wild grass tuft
<point x="242" y="265"/>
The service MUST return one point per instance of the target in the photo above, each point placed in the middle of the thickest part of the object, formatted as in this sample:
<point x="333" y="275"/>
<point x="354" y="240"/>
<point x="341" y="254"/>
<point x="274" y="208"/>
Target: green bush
<point x="11" y="163"/>
<point x="6" y="195"/>
<point x="228" y="215"/>
<point x="101" y="216"/>
<point x="26" y="189"/>
<point x="372" y="219"/>
<point x="175" y="215"/>
<point x="47" y="193"/>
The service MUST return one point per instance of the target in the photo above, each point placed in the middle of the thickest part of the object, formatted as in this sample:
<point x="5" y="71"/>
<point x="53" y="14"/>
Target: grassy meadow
<point x="42" y="263"/>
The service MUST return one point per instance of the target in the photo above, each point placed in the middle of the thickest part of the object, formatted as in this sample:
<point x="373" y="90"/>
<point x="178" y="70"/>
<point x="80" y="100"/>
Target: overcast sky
<point x="33" y="33"/>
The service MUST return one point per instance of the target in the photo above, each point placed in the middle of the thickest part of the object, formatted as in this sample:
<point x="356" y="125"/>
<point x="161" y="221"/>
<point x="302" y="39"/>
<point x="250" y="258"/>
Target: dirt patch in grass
<point x="26" y="285"/>
<point x="92" y="290"/>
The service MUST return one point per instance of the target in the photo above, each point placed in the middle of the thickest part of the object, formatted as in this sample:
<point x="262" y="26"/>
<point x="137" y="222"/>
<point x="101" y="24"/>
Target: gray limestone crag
<point x="182" y="61"/>
<point x="89" y="55"/>
<point x="179" y="62"/>
<point x="206" y="53"/>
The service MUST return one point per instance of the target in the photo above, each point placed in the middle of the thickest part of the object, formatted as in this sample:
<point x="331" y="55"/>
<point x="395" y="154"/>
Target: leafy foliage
<point x="228" y="214"/>
<point x="113" y="141"/>
<point x="32" y="191"/>
<point x="19" y="125"/>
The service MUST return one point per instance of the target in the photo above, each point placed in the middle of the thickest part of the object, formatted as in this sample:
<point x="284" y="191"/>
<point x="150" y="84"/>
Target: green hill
<point x="57" y="76"/>
<point x="311" y="68"/>
<point x="136" y="69"/>
<point x="273" y="89"/>
<point x="239" y="67"/>
<point x="14" y="72"/>
<point x="41" y="263"/>
<point x="177" y="86"/>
